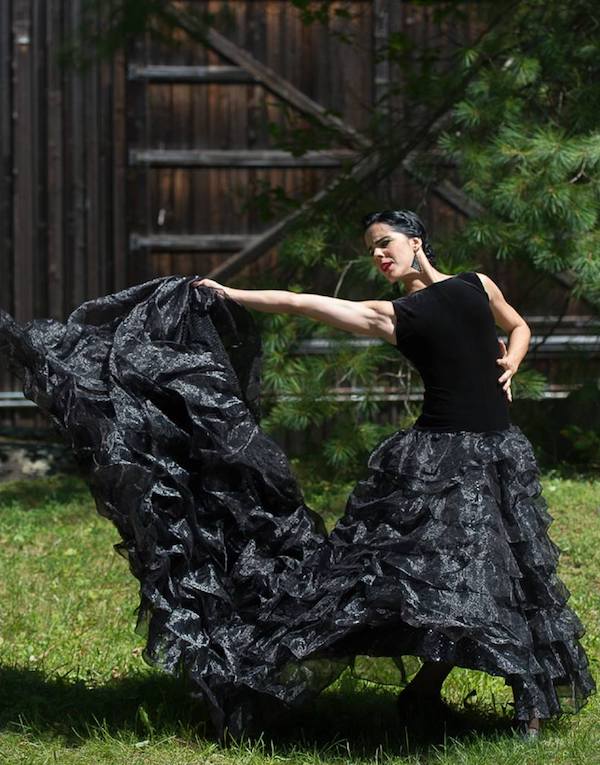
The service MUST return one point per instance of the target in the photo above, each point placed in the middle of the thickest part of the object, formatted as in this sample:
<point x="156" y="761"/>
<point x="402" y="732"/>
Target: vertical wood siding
<point x="62" y="167"/>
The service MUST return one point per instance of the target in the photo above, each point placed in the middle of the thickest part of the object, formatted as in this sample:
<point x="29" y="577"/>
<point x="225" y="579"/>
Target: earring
<point x="415" y="264"/>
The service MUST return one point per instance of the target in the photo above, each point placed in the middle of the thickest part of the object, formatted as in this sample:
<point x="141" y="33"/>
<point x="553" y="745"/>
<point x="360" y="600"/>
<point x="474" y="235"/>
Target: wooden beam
<point x="76" y="146"/>
<point x="55" y="165"/>
<point x="383" y="125"/>
<point x="279" y="86"/>
<point x="16" y="400"/>
<point x="93" y="217"/>
<point x="6" y="162"/>
<point x="119" y="175"/>
<point x="23" y="157"/>
<point x="190" y="242"/>
<point x="137" y="127"/>
<point x="193" y="74"/>
<point x="541" y="346"/>
<point x="381" y="66"/>
<point x="231" y="158"/>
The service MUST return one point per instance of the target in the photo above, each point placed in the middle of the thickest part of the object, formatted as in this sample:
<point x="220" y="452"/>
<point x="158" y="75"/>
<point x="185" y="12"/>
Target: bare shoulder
<point x="487" y="283"/>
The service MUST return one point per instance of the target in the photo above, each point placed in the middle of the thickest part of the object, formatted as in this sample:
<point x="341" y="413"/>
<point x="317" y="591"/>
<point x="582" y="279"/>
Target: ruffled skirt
<point x="442" y="552"/>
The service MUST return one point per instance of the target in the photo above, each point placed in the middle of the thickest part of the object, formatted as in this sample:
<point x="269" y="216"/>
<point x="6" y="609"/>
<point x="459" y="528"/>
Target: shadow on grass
<point x="159" y="706"/>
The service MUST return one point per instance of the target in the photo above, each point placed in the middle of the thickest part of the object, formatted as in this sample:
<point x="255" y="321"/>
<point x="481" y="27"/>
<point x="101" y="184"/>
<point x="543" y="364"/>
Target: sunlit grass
<point x="75" y="688"/>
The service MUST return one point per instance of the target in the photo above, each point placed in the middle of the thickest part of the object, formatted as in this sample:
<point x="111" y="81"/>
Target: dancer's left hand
<point x="510" y="368"/>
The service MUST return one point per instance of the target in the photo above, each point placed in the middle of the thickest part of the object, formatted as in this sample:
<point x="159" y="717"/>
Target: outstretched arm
<point x="374" y="318"/>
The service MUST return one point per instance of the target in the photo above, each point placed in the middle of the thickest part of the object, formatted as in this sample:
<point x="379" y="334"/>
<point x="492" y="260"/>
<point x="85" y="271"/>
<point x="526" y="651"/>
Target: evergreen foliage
<point x="526" y="142"/>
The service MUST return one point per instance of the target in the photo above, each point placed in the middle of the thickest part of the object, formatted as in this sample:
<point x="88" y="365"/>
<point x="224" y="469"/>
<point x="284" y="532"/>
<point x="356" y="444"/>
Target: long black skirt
<point x="442" y="552"/>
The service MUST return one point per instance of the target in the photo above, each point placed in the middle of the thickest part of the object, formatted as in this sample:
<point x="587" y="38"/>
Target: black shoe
<point x="426" y="713"/>
<point x="409" y="704"/>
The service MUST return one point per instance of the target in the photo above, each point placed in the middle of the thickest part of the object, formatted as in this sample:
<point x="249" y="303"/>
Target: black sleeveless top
<point x="448" y="332"/>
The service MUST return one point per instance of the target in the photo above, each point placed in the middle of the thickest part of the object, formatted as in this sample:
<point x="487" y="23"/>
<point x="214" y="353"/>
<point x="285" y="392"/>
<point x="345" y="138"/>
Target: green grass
<point x="76" y="690"/>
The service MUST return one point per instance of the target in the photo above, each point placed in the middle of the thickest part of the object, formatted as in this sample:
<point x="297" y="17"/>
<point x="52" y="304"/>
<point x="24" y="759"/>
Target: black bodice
<point x="448" y="332"/>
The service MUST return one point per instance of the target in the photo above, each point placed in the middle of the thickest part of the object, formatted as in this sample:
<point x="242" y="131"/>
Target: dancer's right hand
<point x="208" y="283"/>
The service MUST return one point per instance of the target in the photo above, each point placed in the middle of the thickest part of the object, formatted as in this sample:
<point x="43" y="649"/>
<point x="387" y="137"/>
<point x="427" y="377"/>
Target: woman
<point x="441" y="553"/>
<point x="446" y="325"/>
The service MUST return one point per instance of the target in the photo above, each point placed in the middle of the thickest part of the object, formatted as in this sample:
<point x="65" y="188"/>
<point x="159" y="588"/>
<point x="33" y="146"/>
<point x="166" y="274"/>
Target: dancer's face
<point x="392" y="251"/>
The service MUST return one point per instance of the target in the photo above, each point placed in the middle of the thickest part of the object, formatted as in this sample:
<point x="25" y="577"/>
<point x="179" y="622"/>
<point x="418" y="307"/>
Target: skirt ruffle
<point x="449" y="534"/>
<point x="442" y="552"/>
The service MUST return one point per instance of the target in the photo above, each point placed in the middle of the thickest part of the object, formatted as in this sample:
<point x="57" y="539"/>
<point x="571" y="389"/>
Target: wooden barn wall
<point x="341" y="77"/>
<point x="72" y="203"/>
<point x="62" y="231"/>
<point x="236" y="116"/>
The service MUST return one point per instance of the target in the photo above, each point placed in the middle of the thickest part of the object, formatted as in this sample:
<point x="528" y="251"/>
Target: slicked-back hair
<point x="406" y="222"/>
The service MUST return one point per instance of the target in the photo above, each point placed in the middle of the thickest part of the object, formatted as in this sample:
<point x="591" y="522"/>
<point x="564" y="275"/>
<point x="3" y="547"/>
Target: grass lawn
<point x="76" y="690"/>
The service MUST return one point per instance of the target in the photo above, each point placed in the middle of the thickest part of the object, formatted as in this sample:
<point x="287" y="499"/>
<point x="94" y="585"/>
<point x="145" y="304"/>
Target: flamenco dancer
<point x="442" y="551"/>
<point x="445" y="325"/>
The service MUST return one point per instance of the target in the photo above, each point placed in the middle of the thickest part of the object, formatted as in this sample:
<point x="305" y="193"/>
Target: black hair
<point x="405" y="221"/>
